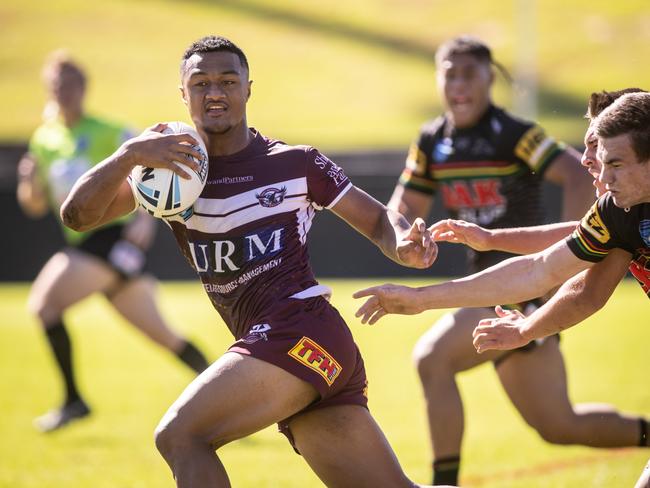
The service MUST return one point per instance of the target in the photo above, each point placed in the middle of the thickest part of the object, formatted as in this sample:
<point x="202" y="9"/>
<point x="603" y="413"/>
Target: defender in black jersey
<point x="619" y="220"/>
<point x="488" y="167"/>
<point x="294" y="361"/>
<point x="585" y="293"/>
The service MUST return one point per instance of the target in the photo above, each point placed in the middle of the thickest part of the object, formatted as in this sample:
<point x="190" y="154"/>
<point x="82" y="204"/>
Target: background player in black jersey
<point x="242" y="392"/>
<point x="109" y="260"/>
<point x="620" y="219"/>
<point x="578" y="298"/>
<point x="488" y="167"/>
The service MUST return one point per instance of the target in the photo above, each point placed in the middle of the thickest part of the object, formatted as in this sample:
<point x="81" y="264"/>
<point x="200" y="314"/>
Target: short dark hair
<point x="599" y="101"/>
<point x="629" y="115"/>
<point x="472" y="46"/>
<point x="464" y="45"/>
<point x="60" y="60"/>
<point x="209" y="44"/>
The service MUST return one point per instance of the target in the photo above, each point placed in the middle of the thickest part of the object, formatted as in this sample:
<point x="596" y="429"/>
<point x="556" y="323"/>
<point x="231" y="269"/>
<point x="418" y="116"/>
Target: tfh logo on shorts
<point x="257" y="333"/>
<point x="316" y="358"/>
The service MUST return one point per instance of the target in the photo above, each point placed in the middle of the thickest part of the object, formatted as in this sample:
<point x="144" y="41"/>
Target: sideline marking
<point x="549" y="467"/>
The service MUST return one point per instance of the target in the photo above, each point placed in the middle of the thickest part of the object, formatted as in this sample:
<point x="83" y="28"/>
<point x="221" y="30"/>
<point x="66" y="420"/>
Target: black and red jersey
<point x="606" y="227"/>
<point x="489" y="174"/>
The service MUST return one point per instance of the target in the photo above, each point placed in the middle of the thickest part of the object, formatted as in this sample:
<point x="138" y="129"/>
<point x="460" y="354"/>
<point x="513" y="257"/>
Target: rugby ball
<point x="163" y="193"/>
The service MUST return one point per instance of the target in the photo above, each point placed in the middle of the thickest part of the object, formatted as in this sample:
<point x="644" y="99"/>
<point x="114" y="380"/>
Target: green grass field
<point x="130" y="383"/>
<point x="335" y="75"/>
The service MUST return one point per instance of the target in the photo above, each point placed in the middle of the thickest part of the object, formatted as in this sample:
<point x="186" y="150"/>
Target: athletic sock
<point x="445" y="470"/>
<point x="191" y="356"/>
<point x="643" y="433"/>
<point x="59" y="340"/>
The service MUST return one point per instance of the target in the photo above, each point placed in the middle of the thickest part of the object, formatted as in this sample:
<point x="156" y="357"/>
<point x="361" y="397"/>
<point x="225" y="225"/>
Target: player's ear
<point x="250" y="84"/>
<point x="491" y="81"/>
<point x="180" y="87"/>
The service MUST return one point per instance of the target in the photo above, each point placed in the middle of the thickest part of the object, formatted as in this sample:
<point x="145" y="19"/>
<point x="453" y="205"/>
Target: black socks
<point x="59" y="340"/>
<point x="191" y="356"/>
<point x="445" y="470"/>
<point x="643" y="433"/>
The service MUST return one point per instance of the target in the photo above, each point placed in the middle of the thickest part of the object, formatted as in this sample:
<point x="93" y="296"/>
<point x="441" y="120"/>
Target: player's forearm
<point x="569" y="306"/>
<point x="389" y="228"/>
<point x="95" y="191"/>
<point x="529" y="240"/>
<point x="511" y="281"/>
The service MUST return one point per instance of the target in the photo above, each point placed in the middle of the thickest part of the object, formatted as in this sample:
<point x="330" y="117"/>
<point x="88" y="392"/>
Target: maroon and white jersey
<point x="246" y="235"/>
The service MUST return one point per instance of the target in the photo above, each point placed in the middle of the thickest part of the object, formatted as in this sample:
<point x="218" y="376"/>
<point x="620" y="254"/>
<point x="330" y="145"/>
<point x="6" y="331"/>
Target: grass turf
<point x="129" y="383"/>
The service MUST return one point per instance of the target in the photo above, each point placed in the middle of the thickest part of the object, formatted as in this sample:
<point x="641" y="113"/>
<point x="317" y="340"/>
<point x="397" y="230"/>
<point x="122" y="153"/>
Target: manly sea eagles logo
<point x="271" y="197"/>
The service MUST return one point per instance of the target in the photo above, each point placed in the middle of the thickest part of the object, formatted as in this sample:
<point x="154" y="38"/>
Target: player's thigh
<point x="345" y="447"/>
<point x="536" y="383"/>
<point x="236" y="396"/>
<point x="68" y="277"/>
<point x="448" y="343"/>
<point x="136" y="302"/>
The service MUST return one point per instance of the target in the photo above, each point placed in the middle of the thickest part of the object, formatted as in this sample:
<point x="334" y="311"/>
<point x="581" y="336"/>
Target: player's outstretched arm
<point x="580" y="297"/>
<point x="408" y="245"/>
<point x="103" y="194"/>
<point x="514" y="280"/>
<point x="521" y="240"/>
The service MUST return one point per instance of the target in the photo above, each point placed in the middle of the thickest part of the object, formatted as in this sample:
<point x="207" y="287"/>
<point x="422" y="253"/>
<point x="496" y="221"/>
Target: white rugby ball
<point x="163" y="193"/>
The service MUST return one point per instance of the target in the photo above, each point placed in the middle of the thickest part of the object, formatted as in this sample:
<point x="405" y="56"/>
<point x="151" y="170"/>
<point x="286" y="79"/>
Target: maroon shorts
<point x="309" y="339"/>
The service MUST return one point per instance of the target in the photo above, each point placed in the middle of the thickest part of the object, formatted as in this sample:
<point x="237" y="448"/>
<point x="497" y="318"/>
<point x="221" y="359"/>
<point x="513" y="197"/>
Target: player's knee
<point x="43" y="309"/>
<point x="174" y="437"/>
<point x="168" y="438"/>
<point x="428" y="359"/>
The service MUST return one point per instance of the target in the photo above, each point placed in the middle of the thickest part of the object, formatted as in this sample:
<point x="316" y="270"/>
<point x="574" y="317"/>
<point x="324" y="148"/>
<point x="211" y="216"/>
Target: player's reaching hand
<point x="385" y="299"/>
<point x="154" y="149"/>
<point x="461" y="232"/>
<point x="505" y="332"/>
<point x="416" y="248"/>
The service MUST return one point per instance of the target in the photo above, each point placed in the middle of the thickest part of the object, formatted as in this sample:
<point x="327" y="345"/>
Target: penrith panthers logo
<point x="271" y="197"/>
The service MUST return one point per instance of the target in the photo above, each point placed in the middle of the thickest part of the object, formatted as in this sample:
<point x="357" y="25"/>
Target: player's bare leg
<point x="443" y="351"/>
<point x="236" y="396"/>
<point x="68" y="277"/>
<point x="345" y="447"/>
<point x="537" y="385"/>
<point x="136" y="302"/>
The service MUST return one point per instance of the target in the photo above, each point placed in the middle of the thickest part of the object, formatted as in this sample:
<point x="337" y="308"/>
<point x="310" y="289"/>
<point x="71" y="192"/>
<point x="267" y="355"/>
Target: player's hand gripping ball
<point x="163" y="193"/>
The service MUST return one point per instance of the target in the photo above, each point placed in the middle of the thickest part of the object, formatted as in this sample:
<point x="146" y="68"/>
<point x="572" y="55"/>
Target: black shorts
<point x="107" y="244"/>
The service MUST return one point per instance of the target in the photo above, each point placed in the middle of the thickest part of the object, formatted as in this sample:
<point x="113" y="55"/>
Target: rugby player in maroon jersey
<point x="294" y="361"/>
